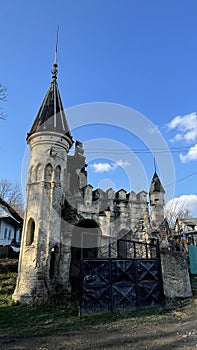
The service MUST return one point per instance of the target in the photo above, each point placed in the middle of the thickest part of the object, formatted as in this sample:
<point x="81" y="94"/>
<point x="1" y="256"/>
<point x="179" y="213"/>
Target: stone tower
<point x="49" y="140"/>
<point x="156" y="195"/>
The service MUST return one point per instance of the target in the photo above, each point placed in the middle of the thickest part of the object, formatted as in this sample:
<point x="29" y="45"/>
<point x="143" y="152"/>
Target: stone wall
<point x="175" y="273"/>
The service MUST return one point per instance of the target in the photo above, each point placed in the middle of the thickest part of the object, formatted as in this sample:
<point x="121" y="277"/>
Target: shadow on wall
<point x="84" y="244"/>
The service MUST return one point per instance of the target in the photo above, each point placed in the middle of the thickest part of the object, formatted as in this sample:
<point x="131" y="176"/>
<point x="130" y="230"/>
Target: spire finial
<point x="155" y="164"/>
<point x="55" y="65"/>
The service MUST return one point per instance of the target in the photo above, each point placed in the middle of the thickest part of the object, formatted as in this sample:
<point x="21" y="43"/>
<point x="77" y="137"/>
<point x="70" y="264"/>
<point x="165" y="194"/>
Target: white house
<point x="10" y="224"/>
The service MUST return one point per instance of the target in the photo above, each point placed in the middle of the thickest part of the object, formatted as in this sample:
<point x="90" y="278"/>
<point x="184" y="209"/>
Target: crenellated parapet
<point x="114" y="211"/>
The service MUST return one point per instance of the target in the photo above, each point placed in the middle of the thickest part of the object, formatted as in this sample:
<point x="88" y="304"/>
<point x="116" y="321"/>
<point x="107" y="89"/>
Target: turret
<point x="49" y="140"/>
<point x="77" y="169"/>
<point x="156" y="195"/>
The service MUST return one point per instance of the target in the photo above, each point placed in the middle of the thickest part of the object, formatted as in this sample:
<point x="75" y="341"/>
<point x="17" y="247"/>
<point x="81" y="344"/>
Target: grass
<point x="29" y="321"/>
<point x="8" y="274"/>
<point x="24" y="320"/>
<point x="20" y="320"/>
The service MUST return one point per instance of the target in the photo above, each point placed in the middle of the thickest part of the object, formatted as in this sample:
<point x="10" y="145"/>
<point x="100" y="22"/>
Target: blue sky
<point x="140" y="54"/>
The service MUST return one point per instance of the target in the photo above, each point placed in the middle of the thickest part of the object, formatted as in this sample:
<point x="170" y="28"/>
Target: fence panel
<point x="192" y="249"/>
<point x="120" y="284"/>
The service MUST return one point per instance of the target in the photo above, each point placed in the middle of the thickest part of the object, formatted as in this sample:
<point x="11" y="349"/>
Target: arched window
<point x="84" y="244"/>
<point x="122" y="244"/>
<point x="38" y="175"/>
<point x="48" y="172"/>
<point x="30" y="232"/>
<point x="31" y="174"/>
<point x="122" y="248"/>
<point x="57" y="173"/>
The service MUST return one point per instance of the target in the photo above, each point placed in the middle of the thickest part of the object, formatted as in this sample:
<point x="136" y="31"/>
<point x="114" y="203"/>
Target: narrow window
<point x="48" y="172"/>
<point x="30" y="232"/>
<point x="57" y="173"/>
<point x="9" y="234"/>
<point x="38" y="176"/>
<point x="6" y="233"/>
<point x="53" y="261"/>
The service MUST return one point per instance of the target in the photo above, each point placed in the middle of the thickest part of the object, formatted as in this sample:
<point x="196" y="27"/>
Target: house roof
<point x="188" y="221"/>
<point x="6" y="211"/>
<point x="51" y="115"/>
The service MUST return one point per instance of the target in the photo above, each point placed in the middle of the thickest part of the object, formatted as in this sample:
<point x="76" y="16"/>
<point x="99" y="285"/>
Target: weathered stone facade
<point x="176" y="281"/>
<point x="65" y="217"/>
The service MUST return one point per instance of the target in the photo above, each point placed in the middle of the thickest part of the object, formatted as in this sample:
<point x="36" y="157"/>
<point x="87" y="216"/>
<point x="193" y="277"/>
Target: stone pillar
<point x="175" y="273"/>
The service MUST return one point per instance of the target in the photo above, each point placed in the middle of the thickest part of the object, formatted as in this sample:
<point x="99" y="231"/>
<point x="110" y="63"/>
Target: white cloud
<point x="186" y="127"/>
<point x="121" y="163"/>
<point x="186" y="130"/>
<point x="102" y="167"/>
<point x="178" y="137"/>
<point x="153" y="130"/>
<point x="105" y="167"/>
<point x="190" y="155"/>
<point x="184" y="202"/>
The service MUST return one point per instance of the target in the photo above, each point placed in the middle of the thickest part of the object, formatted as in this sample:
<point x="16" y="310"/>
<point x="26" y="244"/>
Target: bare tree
<point x="12" y="194"/>
<point x="3" y="95"/>
<point x="176" y="211"/>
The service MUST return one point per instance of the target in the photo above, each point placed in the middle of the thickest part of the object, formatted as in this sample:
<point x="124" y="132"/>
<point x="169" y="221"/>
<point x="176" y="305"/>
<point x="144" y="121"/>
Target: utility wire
<point x="142" y="151"/>
<point x="182" y="178"/>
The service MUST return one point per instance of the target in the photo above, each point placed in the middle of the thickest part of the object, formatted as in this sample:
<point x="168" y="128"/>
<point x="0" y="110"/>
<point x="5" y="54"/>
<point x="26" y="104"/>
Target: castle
<point x="65" y="218"/>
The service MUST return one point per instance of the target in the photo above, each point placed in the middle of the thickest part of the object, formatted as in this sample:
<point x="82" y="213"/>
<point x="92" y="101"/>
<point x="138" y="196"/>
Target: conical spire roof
<point x="51" y="115"/>
<point x="156" y="185"/>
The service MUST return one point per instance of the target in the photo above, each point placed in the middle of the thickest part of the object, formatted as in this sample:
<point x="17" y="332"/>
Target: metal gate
<point x="114" y="284"/>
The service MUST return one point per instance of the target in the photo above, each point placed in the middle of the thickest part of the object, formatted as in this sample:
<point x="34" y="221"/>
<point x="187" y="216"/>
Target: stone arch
<point x="58" y="173"/>
<point x="122" y="244"/>
<point x="84" y="244"/>
<point x="30" y="232"/>
<point x="48" y="171"/>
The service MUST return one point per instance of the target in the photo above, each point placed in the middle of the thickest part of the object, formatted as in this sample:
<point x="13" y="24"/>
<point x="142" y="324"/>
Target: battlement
<point x="121" y="196"/>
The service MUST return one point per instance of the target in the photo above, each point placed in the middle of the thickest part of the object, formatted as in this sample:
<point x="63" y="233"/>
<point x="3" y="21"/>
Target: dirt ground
<point x="173" y="330"/>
